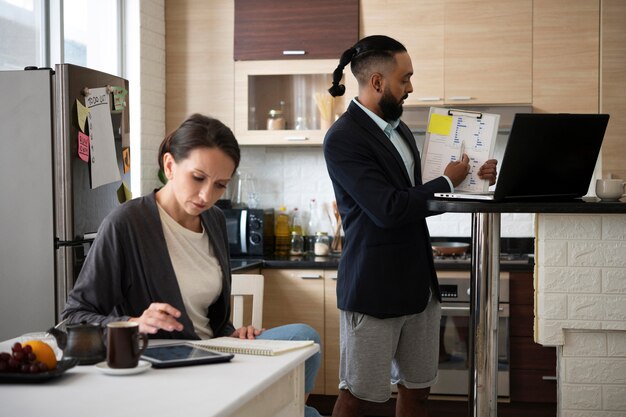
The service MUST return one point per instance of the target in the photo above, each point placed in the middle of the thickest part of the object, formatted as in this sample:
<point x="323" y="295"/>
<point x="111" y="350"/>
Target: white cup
<point x="609" y="189"/>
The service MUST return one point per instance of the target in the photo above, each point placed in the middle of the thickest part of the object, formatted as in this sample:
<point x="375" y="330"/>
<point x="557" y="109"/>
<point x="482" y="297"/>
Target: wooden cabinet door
<point x="488" y="51"/>
<point x="566" y="56"/>
<point x="300" y="29"/>
<point x="331" y="336"/>
<point x="418" y="25"/>
<point x="613" y="87"/>
<point x="295" y="296"/>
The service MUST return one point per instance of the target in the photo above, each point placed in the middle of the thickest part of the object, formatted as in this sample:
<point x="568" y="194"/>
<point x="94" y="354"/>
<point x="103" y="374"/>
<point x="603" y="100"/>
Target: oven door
<point x="453" y="376"/>
<point x="236" y="227"/>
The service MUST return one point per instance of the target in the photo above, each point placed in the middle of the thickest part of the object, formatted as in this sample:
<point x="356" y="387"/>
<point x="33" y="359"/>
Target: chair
<point x="247" y="284"/>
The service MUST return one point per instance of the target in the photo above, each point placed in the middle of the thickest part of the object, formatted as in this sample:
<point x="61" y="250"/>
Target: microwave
<point x="245" y="231"/>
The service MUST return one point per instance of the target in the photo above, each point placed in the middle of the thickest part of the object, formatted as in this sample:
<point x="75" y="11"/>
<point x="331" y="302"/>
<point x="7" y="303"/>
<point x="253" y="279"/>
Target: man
<point x="387" y="288"/>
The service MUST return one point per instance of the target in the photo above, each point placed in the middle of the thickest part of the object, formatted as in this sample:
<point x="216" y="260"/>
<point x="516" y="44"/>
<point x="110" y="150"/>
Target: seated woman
<point x="162" y="260"/>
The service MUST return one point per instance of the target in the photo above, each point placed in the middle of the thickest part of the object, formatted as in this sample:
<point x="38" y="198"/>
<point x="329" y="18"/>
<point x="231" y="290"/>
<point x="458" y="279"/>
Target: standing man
<point x="387" y="288"/>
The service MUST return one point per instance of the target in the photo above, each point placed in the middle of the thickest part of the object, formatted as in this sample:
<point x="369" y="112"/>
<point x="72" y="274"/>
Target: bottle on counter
<point x="281" y="233"/>
<point x="296" y="222"/>
<point x="297" y="244"/>
<point x="322" y="244"/>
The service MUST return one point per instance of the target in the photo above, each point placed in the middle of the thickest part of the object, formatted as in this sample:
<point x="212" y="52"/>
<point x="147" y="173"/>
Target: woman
<point x="162" y="260"/>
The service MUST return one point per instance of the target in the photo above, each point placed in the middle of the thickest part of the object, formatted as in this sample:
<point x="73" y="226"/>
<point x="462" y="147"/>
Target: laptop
<point x="548" y="157"/>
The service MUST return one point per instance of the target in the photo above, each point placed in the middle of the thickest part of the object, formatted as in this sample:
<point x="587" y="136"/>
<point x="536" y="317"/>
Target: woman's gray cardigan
<point x="128" y="267"/>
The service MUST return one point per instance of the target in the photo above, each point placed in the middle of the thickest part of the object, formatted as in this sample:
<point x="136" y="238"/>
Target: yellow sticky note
<point x="82" y="112"/>
<point x="440" y="124"/>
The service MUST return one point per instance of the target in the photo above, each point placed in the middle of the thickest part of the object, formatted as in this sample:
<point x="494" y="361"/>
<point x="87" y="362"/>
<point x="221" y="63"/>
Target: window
<point x="90" y="34"/>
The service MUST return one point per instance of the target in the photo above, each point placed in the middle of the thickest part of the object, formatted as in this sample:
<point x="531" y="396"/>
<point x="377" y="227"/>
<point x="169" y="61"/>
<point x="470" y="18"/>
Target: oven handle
<point x="503" y="310"/>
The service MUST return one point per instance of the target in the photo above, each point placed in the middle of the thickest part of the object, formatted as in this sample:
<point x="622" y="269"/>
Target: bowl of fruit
<point x="32" y="361"/>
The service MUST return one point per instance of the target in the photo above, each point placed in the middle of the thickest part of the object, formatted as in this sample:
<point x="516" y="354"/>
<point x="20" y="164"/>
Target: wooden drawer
<point x="522" y="320"/>
<point x="521" y="288"/>
<point x="530" y="386"/>
<point x="526" y="354"/>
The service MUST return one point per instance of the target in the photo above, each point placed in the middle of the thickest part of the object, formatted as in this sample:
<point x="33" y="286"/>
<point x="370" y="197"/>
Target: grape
<point x="32" y="357"/>
<point x="13" y="364"/>
<point x="25" y="368"/>
<point x="18" y="355"/>
<point x="42" y="367"/>
<point x="4" y="356"/>
<point x="33" y="368"/>
<point x="27" y="349"/>
<point x="17" y="347"/>
<point x="4" y="366"/>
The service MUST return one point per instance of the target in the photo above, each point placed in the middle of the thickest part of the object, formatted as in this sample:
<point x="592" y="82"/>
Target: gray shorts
<point x="401" y="350"/>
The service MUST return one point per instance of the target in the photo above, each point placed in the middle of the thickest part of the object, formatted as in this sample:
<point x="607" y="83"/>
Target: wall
<point x="292" y="176"/>
<point x="145" y="70"/>
<point x="581" y="308"/>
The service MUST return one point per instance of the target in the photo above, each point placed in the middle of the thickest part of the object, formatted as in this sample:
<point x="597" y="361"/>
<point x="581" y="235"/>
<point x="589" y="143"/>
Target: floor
<point x="441" y="408"/>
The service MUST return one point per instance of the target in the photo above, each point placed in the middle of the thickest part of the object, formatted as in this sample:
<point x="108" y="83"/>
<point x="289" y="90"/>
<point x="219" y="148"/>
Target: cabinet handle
<point x="294" y="52"/>
<point x="460" y="98"/>
<point x="548" y="378"/>
<point x="429" y="99"/>
<point x="333" y="278"/>
<point x="310" y="277"/>
<point x="296" y="138"/>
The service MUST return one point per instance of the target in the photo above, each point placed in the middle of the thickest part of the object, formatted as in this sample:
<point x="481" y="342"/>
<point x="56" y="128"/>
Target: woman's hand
<point x="247" y="332"/>
<point x="158" y="316"/>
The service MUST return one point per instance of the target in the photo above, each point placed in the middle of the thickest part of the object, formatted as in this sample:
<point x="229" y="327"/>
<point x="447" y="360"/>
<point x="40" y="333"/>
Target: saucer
<point x="141" y="367"/>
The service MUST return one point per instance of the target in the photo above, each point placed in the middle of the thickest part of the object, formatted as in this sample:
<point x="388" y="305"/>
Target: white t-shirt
<point x="197" y="270"/>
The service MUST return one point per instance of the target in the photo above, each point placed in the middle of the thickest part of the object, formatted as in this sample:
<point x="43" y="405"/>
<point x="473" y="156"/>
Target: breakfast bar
<point x="247" y="386"/>
<point x="484" y="285"/>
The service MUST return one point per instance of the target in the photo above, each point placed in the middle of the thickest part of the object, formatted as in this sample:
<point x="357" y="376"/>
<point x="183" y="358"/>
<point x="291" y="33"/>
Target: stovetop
<point x="505" y="258"/>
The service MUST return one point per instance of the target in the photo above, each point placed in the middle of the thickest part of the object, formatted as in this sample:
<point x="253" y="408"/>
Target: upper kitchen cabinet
<point x="566" y="39"/>
<point x="278" y="29"/>
<point x="287" y="102"/>
<point x="418" y="25"/>
<point x="464" y="52"/>
<point x="488" y="51"/>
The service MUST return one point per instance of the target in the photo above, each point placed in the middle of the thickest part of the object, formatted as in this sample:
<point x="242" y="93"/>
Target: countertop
<point x="592" y="205"/>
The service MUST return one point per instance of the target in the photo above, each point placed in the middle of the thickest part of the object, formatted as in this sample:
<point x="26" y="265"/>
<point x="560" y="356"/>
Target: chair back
<point x="247" y="284"/>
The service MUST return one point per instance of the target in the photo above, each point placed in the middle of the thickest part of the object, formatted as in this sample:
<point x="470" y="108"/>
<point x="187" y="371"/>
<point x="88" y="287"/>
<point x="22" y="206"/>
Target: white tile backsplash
<point x="292" y="176"/>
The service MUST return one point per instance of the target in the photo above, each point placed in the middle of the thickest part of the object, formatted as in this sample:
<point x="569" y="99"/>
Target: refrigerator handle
<point x="87" y="238"/>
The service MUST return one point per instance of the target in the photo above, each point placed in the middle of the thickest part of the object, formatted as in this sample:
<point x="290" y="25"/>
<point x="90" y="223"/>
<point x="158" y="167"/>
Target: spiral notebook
<point x="252" y="346"/>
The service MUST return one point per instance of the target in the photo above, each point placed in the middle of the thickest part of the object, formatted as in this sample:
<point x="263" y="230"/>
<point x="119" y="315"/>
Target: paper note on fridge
<point x="103" y="158"/>
<point x="451" y="132"/>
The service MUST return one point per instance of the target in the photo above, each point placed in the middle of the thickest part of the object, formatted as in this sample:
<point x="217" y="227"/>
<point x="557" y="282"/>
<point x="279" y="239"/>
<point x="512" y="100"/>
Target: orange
<point x="44" y="352"/>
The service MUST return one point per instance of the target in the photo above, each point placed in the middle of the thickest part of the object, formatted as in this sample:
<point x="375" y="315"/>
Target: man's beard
<point x="391" y="108"/>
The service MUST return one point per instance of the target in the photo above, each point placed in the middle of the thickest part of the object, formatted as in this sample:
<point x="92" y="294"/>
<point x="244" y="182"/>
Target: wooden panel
<point x="521" y="288"/>
<point x="418" y="25"/>
<point x="322" y="28"/>
<point x="529" y="386"/>
<point x="199" y="68"/>
<point x="291" y="296"/>
<point x="488" y="51"/>
<point x="331" y="320"/>
<point x="522" y="320"/>
<point x="613" y="88"/>
<point x="526" y="354"/>
<point x="566" y="56"/>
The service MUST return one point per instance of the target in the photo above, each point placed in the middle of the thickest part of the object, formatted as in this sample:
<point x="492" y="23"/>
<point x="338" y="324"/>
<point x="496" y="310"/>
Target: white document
<point x="449" y="134"/>
<point x="103" y="160"/>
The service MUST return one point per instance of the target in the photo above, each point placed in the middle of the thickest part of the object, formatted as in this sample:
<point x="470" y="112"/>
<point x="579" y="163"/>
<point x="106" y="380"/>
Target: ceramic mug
<point x="609" y="189"/>
<point x="123" y="346"/>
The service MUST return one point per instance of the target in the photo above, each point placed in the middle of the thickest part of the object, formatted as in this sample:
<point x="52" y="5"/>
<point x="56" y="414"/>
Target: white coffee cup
<point x="609" y="189"/>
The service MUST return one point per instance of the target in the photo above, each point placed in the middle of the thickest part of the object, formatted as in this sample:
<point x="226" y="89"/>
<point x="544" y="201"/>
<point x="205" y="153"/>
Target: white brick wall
<point x="292" y="176"/>
<point x="581" y="306"/>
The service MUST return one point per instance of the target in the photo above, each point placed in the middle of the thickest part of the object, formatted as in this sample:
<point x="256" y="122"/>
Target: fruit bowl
<point x="62" y="366"/>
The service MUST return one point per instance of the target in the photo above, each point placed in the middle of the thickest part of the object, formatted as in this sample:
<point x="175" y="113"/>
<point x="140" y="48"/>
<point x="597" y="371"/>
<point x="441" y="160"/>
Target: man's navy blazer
<point x="387" y="267"/>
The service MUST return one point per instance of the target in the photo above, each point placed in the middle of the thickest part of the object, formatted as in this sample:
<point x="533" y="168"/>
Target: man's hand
<point x="457" y="170"/>
<point x="488" y="171"/>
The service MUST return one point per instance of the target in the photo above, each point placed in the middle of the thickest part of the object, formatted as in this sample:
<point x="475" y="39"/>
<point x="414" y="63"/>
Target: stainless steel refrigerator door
<point x="80" y="208"/>
<point x="26" y="206"/>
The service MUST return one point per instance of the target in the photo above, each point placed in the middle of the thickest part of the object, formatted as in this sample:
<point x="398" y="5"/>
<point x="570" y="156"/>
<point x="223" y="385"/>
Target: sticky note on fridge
<point x="123" y="193"/>
<point x="126" y="158"/>
<point x="82" y="113"/>
<point x="83" y="146"/>
<point x="119" y="95"/>
<point x="440" y="124"/>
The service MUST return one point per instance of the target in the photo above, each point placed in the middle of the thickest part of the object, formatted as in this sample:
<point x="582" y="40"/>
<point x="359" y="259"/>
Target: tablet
<point x="182" y="354"/>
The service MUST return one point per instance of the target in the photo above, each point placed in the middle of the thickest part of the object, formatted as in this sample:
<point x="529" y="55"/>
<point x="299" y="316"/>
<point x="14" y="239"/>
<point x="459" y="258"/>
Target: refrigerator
<point x="54" y="195"/>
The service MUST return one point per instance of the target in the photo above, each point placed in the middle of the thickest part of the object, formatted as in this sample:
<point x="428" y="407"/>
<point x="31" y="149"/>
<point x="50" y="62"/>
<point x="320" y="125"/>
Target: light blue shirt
<point x="390" y="130"/>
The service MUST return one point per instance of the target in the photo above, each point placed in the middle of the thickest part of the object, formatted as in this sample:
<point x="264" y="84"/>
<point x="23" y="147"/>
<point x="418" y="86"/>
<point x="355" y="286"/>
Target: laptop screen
<point x="550" y="155"/>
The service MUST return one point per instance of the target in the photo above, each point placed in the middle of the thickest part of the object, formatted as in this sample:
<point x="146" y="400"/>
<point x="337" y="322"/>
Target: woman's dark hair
<point x="199" y="131"/>
<point x="369" y="51"/>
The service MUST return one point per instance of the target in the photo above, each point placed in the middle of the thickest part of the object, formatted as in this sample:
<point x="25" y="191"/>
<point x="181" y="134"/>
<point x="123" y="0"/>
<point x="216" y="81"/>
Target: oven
<point x="454" y="334"/>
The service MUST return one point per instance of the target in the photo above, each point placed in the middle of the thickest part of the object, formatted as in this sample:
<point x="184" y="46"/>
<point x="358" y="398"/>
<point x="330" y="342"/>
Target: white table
<point x="246" y="386"/>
